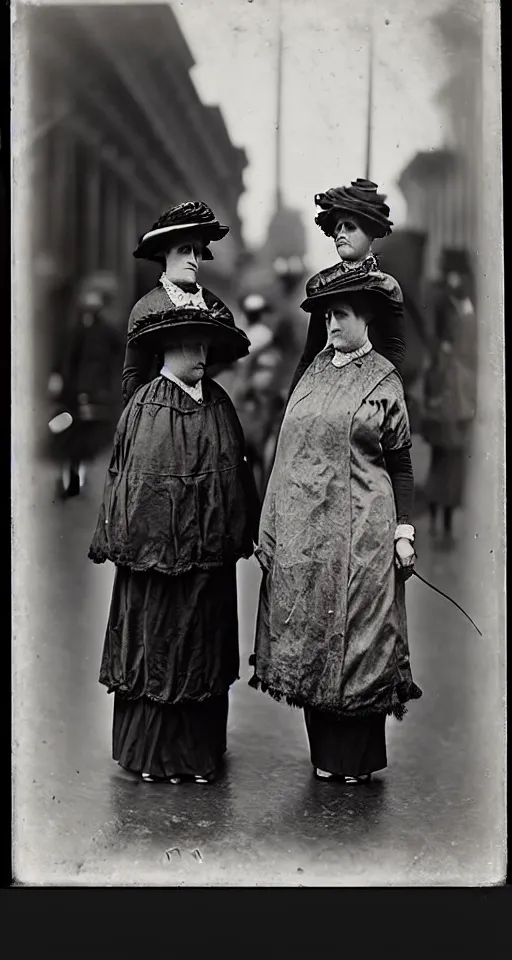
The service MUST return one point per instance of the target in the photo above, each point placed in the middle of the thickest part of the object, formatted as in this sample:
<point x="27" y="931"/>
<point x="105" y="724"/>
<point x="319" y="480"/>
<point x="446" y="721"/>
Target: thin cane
<point x="445" y="595"/>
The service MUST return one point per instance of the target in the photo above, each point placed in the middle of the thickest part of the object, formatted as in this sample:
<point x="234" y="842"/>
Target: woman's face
<point x="183" y="259"/>
<point x="186" y="357"/>
<point x="346" y="330"/>
<point x="352" y="243"/>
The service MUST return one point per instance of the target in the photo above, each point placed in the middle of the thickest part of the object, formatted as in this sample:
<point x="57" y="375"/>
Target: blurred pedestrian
<point x="84" y="385"/>
<point x="450" y="393"/>
<point x="179" y="510"/>
<point x="354" y="216"/>
<point x="255" y="391"/>
<point x="336" y="542"/>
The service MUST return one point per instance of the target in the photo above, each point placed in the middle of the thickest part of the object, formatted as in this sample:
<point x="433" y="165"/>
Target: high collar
<point x="196" y="392"/>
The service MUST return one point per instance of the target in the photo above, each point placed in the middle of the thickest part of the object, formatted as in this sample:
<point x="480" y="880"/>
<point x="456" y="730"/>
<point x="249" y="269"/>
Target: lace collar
<point x="342" y="359"/>
<point x="195" y="392"/>
<point x="181" y="298"/>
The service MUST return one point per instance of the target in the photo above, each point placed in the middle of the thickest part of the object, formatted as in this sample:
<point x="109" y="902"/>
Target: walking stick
<point x="445" y="595"/>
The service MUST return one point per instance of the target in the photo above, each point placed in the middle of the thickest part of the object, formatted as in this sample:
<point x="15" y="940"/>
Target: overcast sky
<point x="325" y="86"/>
<point x="324" y="93"/>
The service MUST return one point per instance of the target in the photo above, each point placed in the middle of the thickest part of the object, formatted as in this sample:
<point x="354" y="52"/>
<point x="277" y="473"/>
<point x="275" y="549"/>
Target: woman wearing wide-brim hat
<point x="179" y="510"/>
<point x="354" y="216"/>
<point x="178" y="241"/>
<point x="335" y="540"/>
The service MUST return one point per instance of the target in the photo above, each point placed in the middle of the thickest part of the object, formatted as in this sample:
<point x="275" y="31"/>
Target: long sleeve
<point x="399" y="466"/>
<point x="396" y="445"/>
<point x="137" y="370"/>
<point x="316" y="340"/>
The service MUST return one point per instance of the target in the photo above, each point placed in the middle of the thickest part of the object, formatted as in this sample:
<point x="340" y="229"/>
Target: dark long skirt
<point x="166" y="740"/>
<point x="350" y="746"/>
<point x="445" y="481"/>
<point x="170" y="656"/>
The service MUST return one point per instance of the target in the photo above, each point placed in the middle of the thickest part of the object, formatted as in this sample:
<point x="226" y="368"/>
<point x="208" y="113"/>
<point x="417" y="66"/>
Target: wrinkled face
<point x="346" y="330"/>
<point x="352" y="243"/>
<point x="186" y="356"/>
<point x="184" y="257"/>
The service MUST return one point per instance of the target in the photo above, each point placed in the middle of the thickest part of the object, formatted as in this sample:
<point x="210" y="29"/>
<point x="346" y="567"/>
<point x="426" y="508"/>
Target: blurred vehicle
<point x="84" y="388"/>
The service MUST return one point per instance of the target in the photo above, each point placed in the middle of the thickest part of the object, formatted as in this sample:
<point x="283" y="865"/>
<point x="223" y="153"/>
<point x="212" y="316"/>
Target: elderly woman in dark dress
<point x="335" y="539"/>
<point x="354" y="216"/>
<point x="179" y="509"/>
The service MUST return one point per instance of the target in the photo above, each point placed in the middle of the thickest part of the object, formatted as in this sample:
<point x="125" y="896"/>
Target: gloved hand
<point x="405" y="555"/>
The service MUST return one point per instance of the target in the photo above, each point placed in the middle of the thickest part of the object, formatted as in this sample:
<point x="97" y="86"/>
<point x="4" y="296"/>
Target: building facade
<point x="441" y="186"/>
<point x="118" y="134"/>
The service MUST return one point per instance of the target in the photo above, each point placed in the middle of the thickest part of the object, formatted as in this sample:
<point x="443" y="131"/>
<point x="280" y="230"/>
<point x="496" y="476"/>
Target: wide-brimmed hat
<point x="339" y="282"/>
<point x="192" y="215"/>
<point x="360" y="199"/>
<point x="228" y="342"/>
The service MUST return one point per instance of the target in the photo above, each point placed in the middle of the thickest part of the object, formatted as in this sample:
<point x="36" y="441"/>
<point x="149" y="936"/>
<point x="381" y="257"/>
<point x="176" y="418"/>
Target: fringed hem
<point x="395" y="707"/>
<point x="118" y="689"/>
<point x="122" y="561"/>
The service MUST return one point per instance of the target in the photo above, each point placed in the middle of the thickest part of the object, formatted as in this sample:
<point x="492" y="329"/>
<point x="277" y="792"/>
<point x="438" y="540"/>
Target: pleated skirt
<point x="168" y="740"/>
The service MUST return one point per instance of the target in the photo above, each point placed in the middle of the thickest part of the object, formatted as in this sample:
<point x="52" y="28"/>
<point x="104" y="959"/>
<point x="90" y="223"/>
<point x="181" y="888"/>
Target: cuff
<point x="405" y="531"/>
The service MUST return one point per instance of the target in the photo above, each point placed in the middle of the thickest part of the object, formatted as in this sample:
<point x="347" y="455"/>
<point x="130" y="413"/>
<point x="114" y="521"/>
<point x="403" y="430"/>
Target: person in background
<point x="353" y="217"/>
<point x="83" y="387"/>
<point x="255" y="392"/>
<point x="450" y="393"/>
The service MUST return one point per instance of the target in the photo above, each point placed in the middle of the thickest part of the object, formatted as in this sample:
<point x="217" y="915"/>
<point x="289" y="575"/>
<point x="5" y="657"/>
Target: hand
<point x="405" y="556"/>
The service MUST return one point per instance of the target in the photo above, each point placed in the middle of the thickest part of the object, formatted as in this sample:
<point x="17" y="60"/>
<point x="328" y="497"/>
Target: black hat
<point x="338" y="281"/>
<point x="455" y="260"/>
<point x="229" y="343"/>
<point x="360" y="199"/>
<point x="192" y="215"/>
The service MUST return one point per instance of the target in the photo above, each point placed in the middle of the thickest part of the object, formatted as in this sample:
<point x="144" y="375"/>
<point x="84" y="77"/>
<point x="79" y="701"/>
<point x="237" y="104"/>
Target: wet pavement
<point x="80" y="820"/>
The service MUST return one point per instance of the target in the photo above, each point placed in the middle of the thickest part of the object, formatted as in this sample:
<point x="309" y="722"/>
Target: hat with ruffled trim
<point x="228" y="342"/>
<point x="361" y="200"/>
<point x="338" y="282"/>
<point x="192" y="215"/>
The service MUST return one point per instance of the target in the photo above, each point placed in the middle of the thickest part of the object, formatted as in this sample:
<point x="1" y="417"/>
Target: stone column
<point x="482" y="561"/>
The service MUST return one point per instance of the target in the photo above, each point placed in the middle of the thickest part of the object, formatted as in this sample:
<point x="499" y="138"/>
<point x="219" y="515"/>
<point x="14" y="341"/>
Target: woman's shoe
<point x="324" y="774"/>
<point x="150" y="779"/>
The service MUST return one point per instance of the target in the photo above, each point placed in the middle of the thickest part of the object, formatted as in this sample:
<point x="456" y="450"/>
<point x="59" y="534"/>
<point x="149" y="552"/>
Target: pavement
<point x="81" y="821"/>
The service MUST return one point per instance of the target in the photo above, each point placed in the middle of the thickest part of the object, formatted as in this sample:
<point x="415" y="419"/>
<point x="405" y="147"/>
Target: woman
<point x="179" y="241"/>
<point x="331" y="634"/>
<point x="179" y="510"/>
<point x="450" y="393"/>
<point x="83" y="385"/>
<point x="354" y="216"/>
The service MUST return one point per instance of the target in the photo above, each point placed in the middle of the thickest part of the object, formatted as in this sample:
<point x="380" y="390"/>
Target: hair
<point x="362" y="303"/>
